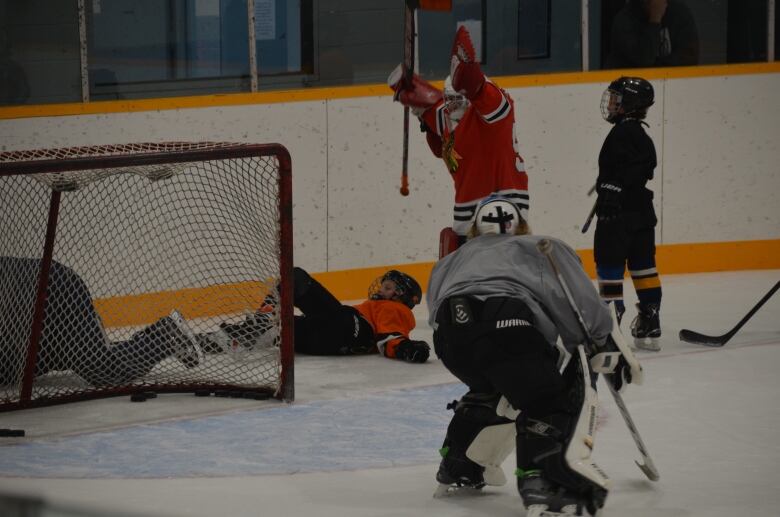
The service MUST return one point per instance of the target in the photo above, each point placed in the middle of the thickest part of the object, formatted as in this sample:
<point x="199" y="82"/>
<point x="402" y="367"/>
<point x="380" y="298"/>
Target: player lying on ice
<point x="497" y="312"/>
<point x="380" y="324"/>
<point x="73" y="337"/>
<point x="471" y="126"/>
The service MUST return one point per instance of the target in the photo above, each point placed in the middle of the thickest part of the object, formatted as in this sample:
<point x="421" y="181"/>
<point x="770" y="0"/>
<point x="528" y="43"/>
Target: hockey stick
<point x="409" y="35"/>
<point x="589" y="219"/>
<point x="647" y="467"/>
<point x="702" y="339"/>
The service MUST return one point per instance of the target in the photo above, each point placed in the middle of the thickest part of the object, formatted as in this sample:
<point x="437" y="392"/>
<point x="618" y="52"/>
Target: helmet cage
<point x="407" y="290"/>
<point x="455" y="103"/>
<point x="611" y="102"/>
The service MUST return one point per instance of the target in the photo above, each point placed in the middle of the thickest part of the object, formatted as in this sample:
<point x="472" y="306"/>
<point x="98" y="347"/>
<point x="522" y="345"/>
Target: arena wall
<point x="716" y="130"/>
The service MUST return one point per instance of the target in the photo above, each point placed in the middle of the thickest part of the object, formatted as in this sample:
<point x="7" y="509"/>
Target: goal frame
<point x="225" y="151"/>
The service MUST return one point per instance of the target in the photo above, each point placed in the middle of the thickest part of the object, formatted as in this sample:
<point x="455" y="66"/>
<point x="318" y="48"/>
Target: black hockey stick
<point x="647" y="467"/>
<point x="589" y="219"/>
<point x="409" y="35"/>
<point x="592" y="211"/>
<point x="702" y="339"/>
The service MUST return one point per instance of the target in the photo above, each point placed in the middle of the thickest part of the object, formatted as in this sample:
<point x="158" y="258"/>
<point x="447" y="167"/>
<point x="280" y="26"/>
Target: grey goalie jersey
<point x="511" y="266"/>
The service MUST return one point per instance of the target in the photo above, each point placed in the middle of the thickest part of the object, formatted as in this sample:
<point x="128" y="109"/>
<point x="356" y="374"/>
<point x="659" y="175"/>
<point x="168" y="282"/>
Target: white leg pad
<point x="581" y="444"/>
<point x="490" y="448"/>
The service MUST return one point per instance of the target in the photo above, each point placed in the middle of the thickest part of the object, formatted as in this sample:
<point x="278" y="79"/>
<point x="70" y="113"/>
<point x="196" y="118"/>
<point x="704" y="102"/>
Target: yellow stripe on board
<point x="671" y="259"/>
<point x="204" y="302"/>
<point x="369" y="90"/>
<point x="353" y="284"/>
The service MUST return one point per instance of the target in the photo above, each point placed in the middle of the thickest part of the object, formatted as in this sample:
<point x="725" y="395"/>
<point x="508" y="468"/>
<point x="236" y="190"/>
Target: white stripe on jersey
<point x="500" y="113"/>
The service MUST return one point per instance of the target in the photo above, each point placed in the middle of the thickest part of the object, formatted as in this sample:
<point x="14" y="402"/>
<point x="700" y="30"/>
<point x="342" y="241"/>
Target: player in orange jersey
<point x="381" y="324"/>
<point x="471" y="126"/>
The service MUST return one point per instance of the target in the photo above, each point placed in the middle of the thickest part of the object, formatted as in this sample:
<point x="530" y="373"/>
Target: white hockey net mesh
<point x="138" y="244"/>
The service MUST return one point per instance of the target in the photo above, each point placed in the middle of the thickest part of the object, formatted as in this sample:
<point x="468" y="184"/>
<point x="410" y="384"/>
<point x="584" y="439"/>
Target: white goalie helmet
<point x="455" y="103"/>
<point x="497" y="214"/>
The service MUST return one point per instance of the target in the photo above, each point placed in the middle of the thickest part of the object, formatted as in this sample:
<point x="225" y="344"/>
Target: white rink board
<point x="716" y="137"/>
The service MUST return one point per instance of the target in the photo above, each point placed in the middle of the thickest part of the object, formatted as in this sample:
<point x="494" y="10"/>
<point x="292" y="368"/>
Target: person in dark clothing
<point x="503" y="326"/>
<point x="625" y="231"/>
<point x="649" y="33"/>
<point x="73" y="337"/>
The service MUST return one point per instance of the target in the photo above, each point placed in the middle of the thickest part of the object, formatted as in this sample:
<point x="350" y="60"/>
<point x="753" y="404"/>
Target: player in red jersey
<point x="471" y="126"/>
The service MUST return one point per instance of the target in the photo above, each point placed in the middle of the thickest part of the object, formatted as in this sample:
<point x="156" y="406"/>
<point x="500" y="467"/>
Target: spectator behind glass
<point x="649" y="33"/>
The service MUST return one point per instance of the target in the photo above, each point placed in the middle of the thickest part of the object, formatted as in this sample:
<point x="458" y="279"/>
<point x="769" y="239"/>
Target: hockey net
<point x="142" y="268"/>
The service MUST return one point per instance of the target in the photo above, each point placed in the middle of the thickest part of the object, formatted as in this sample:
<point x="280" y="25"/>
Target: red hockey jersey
<point x="481" y="153"/>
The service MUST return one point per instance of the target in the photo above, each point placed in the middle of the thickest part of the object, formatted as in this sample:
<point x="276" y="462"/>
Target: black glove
<point x="621" y="374"/>
<point x="413" y="351"/>
<point x="609" y="202"/>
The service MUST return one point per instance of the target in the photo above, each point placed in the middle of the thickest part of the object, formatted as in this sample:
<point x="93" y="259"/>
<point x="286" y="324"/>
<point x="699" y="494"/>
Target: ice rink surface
<point x="361" y="438"/>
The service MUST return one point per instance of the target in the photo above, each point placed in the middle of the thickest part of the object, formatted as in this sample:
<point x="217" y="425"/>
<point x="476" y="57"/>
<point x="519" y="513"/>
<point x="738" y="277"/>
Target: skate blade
<point x="540" y="510"/>
<point x="453" y="490"/>
<point x="651" y="344"/>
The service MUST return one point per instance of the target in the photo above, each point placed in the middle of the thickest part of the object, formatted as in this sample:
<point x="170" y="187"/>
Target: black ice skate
<point x="543" y="498"/>
<point x="646" y="327"/>
<point x="456" y="473"/>
<point x="185" y="346"/>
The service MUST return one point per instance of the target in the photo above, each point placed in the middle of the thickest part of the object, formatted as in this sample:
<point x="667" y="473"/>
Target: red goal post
<point x="151" y="267"/>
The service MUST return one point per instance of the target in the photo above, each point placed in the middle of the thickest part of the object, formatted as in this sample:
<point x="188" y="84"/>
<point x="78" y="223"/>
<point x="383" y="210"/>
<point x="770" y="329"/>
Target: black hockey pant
<point x="327" y="327"/>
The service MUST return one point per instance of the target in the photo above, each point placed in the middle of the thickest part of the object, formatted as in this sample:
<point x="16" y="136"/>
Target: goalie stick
<point x="647" y="467"/>
<point x="702" y="339"/>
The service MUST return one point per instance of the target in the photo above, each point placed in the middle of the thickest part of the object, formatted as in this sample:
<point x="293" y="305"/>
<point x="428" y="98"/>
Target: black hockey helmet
<point x="633" y="94"/>
<point x="407" y="289"/>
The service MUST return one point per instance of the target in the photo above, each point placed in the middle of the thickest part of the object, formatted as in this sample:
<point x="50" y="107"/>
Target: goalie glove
<point x="417" y="94"/>
<point x="413" y="351"/>
<point x="615" y="360"/>
<point x="465" y="72"/>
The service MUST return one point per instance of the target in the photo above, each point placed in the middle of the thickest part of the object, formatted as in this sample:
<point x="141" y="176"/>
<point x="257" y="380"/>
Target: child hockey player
<point x="625" y="230"/>
<point x="72" y="336"/>
<point x="471" y="126"/>
<point x="381" y="323"/>
<point x="497" y="315"/>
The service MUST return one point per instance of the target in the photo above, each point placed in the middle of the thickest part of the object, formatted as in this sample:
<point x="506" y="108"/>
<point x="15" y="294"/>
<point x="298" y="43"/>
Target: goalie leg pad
<point x="477" y="443"/>
<point x="557" y="446"/>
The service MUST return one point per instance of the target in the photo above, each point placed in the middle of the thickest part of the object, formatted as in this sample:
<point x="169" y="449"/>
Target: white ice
<point x="361" y="438"/>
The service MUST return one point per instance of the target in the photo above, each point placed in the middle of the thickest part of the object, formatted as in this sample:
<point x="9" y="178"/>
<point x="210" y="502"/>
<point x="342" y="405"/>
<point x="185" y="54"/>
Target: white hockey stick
<point x="648" y="467"/>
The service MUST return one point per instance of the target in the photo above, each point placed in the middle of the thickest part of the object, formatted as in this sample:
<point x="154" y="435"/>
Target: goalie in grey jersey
<point x="497" y="312"/>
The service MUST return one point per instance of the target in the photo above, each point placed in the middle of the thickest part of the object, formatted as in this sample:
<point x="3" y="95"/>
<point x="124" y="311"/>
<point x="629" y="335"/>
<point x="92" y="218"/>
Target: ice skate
<point x="458" y="474"/>
<point x="183" y="341"/>
<point x="544" y="499"/>
<point x="646" y="327"/>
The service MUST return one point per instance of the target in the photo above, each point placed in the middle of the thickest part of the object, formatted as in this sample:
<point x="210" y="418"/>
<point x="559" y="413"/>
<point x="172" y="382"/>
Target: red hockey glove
<point x="465" y="73"/>
<point x="417" y="94"/>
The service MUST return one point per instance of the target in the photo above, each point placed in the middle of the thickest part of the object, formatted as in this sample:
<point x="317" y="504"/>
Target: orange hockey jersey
<point x="484" y="157"/>
<point x="392" y="322"/>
